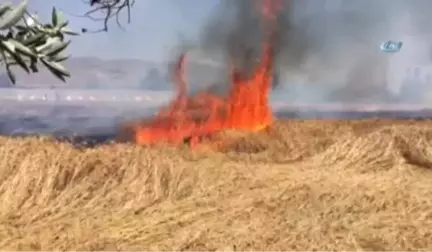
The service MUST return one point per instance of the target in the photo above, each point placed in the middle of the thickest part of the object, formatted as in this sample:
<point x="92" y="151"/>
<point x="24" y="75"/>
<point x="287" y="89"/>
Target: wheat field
<point x="301" y="185"/>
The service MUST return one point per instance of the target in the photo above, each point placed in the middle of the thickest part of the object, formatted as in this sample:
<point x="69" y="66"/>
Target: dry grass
<point x="304" y="185"/>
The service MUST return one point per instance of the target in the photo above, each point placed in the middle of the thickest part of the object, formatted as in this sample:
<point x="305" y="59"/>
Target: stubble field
<point x="302" y="185"/>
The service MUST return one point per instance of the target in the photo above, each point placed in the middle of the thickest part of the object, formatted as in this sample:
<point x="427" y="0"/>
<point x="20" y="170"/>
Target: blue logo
<point x="391" y="46"/>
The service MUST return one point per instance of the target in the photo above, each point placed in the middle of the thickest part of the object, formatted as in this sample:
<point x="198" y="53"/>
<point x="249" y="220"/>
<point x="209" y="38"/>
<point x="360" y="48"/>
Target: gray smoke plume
<point x="237" y="32"/>
<point x="330" y="43"/>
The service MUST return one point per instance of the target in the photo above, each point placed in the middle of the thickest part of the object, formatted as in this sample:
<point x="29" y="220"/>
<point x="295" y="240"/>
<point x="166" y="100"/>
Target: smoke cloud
<point x="329" y="46"/>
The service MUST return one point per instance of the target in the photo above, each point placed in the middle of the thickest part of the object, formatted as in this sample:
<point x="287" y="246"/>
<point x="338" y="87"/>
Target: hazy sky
<point x="155" y="28"/>
<point x="341" y="37"/>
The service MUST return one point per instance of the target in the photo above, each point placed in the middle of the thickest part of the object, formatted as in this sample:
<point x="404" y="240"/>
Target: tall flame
<point x="246" y="107"/>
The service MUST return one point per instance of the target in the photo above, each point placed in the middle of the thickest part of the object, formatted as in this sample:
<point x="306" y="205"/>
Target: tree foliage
<point x="26" y="42"/>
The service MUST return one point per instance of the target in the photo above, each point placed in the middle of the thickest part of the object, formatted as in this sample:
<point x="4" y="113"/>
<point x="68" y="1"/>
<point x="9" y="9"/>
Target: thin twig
<point x="109" y="9"/>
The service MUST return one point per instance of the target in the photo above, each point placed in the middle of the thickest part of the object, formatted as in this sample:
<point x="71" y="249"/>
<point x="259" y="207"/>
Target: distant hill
<point x="95" y="73"/>
<point x="90" y="72"/>
<point x="156" y="80"/>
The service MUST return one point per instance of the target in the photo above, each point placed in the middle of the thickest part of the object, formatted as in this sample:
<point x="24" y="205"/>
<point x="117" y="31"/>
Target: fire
<point x="246" y="107"/>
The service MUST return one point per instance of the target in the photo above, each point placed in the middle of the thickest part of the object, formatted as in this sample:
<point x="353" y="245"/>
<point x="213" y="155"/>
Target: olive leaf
<point x="26" y="42"/>
<point x="57" y="19"/>
<point x="59" y="58"/>
<point x="11" y="75"/>
<point x="33" y="39"/>
<point x="23" y="49"/>
<point x="57" y="48"/>
<point x="56" y="69"/>
<point x="9" y="46"/>
<point x="68" y="32"/>
<point x="7" y="64"/>
<point x="4" y="9"/>
<point x="12" y="17"/>
<point x="54" y="17"/>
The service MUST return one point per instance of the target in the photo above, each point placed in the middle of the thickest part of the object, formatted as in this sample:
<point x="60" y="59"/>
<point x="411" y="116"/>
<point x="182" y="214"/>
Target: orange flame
<point x="246" y="108"/>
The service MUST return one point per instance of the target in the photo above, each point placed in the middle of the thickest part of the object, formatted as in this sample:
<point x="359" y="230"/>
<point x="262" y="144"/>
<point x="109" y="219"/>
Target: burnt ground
<point x="84" y="127"/>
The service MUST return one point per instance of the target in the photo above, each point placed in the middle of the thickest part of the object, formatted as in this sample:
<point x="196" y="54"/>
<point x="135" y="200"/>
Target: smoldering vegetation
<point x="85" y="127"/>
<point x="80" y="125"/>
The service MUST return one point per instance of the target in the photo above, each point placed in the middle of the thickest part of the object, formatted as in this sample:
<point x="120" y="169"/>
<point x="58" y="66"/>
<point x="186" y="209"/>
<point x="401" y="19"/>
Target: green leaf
<point x="56" y="73"/>
<point x="4" y="9"/>
<point x="11" y="50"/>
<point x="23" y="49"/>
<point x="12" y="17"/>
<point x="55" y="68"/>
<point x="10" y="34"/>
<point x="9" y="46"/>
<point x="33" y="66"/>
<point x="63" y="25"/>
<point x="21" y="27"/>
<point x="57" y="48"/>
<point x="11" y="75"/>
<point x="48" y="26"/>
<point x="3" y="55"/>
<point x="59" y="58"/>
<point x="57" y="19"/>
<point x="20" y="61"/>
<point x="8" y="64"/>
<point x="33" y="39"/>
<point x="21" y="35"/>
<point x="51" y="41"/>
<point x="54" y="19"/>
<point x="68" y="32"/>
